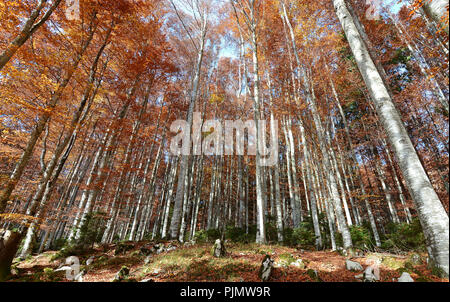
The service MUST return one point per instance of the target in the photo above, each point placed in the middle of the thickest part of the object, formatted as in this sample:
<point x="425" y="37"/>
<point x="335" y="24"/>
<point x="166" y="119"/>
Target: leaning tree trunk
<point x="42" y="122"/>
<point x="27" y="31"/>
<point x="437" y="10"/>
<point x="309" y="181"/>
<point x="432" y="215"/>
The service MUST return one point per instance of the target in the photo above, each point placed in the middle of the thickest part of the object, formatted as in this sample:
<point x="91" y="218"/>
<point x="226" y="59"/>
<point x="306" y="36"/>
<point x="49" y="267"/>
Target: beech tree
<point x="355" y="108"/>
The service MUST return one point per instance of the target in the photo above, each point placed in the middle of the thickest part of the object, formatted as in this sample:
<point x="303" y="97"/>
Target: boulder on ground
<point x="266" y="268"/>
<point x="122" y="274"/>
<point x="219" y="249"/>
<point x="171" y="248"/>
<point x="79" y="277"/>
<point x="405" y="277"/>
<point x="63" y="268"/>
<point x="158" y="248"/>
<point x="353" y="266"/>
<point x="90" y="260"/>
<point x="370" y="275"/>
<point x="342" y="251"/>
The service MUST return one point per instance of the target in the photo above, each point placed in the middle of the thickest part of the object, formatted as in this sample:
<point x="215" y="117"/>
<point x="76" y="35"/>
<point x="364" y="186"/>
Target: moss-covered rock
<point x="122" y="274"/>
<point x="392" y="262"/>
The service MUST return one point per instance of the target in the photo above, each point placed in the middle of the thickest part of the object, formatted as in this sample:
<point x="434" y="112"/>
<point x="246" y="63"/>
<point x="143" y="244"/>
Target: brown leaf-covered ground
<point x="195" y="263"/>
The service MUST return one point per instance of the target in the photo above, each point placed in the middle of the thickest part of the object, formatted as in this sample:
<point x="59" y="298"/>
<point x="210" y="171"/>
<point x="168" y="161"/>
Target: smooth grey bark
<point x="187" y="205"/>
<point x="337" y="173"/>
<point x="115" y="206"/>
<point x="433" y="217"/>
<point x="309" y="181"/>
<point x="249" y="13"/>
<point x="174" y="165"/>
<point x="197" y="197"/>
<point x="402" y="197"/>
<point x="57" y="162"/>
<point x="276" y="171"/>
<point x="295" y="214"/>
<point x="142" y="217"/>
<point x="343" y="227"/>
<point x="354" y="157"/>
<point x="437" y="10"/>
<point x="178" y="206"/>
<point x="102" y="159"/>
<point x="318" y="179"/>
<point x="386" y="189"/>
<point x="293" y="161"/>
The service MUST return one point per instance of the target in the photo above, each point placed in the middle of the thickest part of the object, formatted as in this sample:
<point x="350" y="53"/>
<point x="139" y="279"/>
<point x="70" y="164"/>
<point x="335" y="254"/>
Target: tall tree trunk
<point x="42" y="121"/>
<point x="28" y="30"/>
<point x="178" y="207"/>
<point x="437" y="10"/>
<point x="432" y="215"/>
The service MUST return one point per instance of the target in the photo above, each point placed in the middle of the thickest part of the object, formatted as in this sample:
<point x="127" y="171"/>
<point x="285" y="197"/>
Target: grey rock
<point x="353" y="266"/>
<point x="79" y="277"/>
<point x="90" y="260"/>
<point x="219" y="249"/>
<point x="147" y="260"/>
<point x="158" y="248"/>
<point x="122" y="274"/>
<point x="171" y="248"/>
<point x="360" y="276"/>
<point x="266" y="268"/>
<point x="342" y="252"/>
<point x="405" y="277"/>
<point x="370" y="275"/>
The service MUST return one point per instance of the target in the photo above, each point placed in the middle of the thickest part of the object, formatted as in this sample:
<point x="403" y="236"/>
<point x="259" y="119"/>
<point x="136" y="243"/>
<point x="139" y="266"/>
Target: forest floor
<point x="195" y="263"/>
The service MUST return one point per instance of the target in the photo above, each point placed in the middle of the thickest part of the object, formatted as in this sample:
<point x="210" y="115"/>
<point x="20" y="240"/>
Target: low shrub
<point x="210" y="235"/>
<point x="404" y="237"/>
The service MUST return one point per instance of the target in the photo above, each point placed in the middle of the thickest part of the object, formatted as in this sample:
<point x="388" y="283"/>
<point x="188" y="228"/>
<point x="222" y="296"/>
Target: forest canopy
<point x="318" y="125"/>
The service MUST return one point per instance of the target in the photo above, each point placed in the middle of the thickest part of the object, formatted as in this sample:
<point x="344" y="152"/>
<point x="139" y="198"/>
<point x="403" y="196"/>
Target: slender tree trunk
<point x="178" y="207"/>
<point x="42" y="122"/>
<point x="28" y="30"/>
